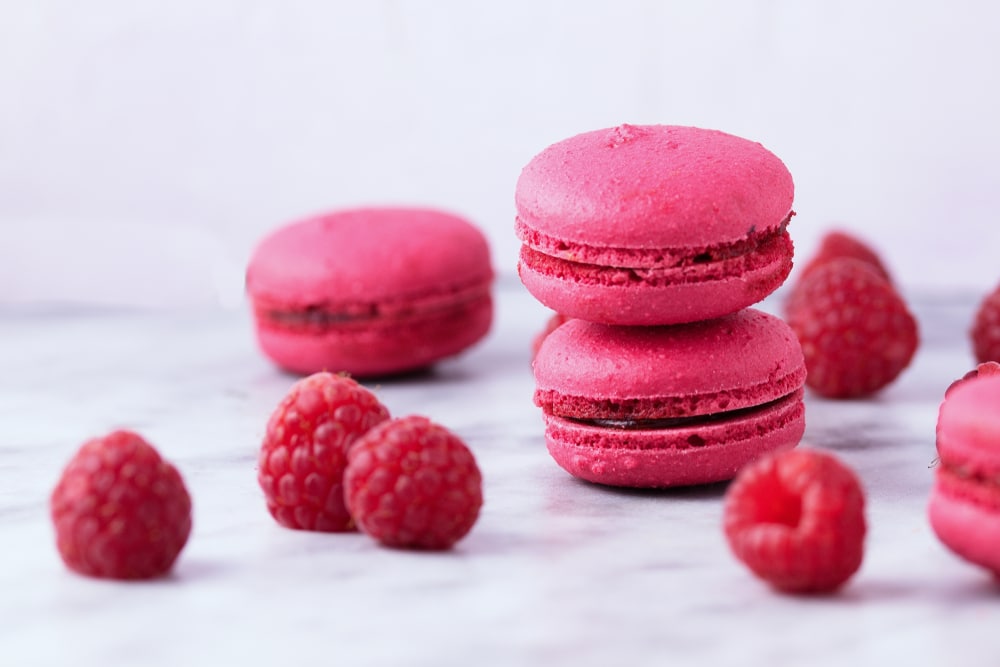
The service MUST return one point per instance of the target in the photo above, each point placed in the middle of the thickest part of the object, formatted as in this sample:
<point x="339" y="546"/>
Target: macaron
<point x="370" y="291"/>
<point x="671" y="405"/>
<point x="964" y="508"/>
<point x="653" y="224"/>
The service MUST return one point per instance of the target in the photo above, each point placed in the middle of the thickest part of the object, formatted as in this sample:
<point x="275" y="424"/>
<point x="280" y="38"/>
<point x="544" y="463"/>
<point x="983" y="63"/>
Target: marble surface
<point x="556" y="571"/>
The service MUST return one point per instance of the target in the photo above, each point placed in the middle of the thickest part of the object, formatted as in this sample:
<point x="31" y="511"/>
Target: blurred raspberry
<point x="856" y="332"/>
<point x="304" y="453"/>
<point x="411" y="483"/>
<point x="839" y="244"/>
<point x="120" y="511"/>
<point x="986" y="328"/>
<point x="796" y="519"/>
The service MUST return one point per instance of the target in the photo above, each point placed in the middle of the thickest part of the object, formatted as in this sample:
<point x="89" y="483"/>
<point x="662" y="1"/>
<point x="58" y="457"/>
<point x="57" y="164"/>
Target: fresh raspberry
<point x="856" y="333"/>
<point x="553" y="323"/>
<point x="120" y="511"/>
<point x="304" y="453"/>
<point x="796" y="519"/>
<point x="839" y="244"/>
<point x="986" y="328"/>
<point x="984" y="369"/>
<point x="411" y="483"/>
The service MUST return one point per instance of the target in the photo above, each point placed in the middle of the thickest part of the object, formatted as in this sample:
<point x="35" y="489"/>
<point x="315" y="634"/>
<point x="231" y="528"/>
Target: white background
<point x="146" y="146"/>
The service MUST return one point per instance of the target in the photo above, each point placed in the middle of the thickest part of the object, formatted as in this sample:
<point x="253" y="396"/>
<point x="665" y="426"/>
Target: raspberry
<point x="986" y="328"/>
<point x="411" y="483"/>
<point x="304" y="453"/>
<point x="856" y="333"/>
<point x="984" y="369"/>
<point x="840" y="244"/>
<point x="120" y="511"/>
<point x="796" y="519"/>
<point x="553" y="323"/>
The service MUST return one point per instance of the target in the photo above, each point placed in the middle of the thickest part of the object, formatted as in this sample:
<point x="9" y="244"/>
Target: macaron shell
<point x="742" y="360"/>
<point x="639" y="303"/>
<point x="656" y="458"/>
<point x="653" y="186"/>
<point x="379" y="348"/>
<point x="969" y="530"/>
<point x="968" y="427"/>
<point x="368" y="255"/>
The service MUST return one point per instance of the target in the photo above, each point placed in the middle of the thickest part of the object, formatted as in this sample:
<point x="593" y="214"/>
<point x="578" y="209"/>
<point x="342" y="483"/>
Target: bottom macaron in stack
<point x="670" y="405"/>
<point x="655" y="240"/>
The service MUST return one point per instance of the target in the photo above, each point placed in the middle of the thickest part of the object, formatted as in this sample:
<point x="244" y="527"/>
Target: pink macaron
<point x="370" y="291"/>
<point x="672" y="405"/>
<point x="964" y="507"/>
<point x="653" y="224"/>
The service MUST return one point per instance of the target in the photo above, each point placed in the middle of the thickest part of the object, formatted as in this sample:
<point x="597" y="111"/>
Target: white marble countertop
<point x="556" y="571"/>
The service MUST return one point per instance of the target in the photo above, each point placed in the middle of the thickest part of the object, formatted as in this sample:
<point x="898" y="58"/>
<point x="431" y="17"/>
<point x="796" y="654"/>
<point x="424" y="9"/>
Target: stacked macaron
<point x="653" y="241"/>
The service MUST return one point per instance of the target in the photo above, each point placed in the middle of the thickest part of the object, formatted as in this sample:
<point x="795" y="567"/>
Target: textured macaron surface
<point x="591" y="371"/>
<point x="651" y="187"/>
<point x="369" y="255"/>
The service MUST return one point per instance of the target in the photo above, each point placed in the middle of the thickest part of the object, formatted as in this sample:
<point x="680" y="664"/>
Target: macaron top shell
<point x="594" y="371"/>
<point x="650" y="187"/>
<point x="968" y="428"/>
<point x="368" y="255"/>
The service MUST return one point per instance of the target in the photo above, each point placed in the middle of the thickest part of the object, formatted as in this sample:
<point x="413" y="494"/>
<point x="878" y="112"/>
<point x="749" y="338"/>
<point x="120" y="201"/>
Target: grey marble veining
<point x="557" y="571"/>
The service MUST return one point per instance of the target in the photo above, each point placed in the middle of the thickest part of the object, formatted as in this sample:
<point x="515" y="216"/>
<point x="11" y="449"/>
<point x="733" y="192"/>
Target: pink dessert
<point x="964" y="506"/>
<point x="669" y="406"/>
<point x="371" y="291"/>
<point x="654" y="224"/>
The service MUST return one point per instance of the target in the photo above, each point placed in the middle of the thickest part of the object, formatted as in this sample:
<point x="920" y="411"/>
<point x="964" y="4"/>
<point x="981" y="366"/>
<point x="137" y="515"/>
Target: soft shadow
<point x="714" y="490"/>
<point x="867" y="590"/>
<point x="195" y="569"/>
<point x="428" y="375"/>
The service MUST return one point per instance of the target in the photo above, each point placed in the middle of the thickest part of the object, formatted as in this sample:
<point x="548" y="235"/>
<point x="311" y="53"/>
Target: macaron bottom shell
<point x="711" y="451"/>
<point x="381" y="346"/>
<point x="968" y="528"/>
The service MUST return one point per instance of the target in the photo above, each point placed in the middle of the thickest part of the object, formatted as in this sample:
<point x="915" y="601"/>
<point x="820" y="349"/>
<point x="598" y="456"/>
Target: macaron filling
<point x="680" y="422"/>
<point x="755" y="240"/>
<point x="772" y="419"/>
<point x="664" y="269"/>
<point x="963" y="480"/>
<point x="645" y="412"/>
<point x="324" y="316"/>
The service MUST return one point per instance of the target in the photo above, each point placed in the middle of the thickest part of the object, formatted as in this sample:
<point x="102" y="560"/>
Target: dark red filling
<point x="756" y="242"/>
<point x="326" y="316"/>
<point x="678" y="422"/>
<point x="773" y="251"/>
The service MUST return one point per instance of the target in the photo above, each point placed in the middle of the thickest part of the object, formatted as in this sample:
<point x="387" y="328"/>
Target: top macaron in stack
<point x="655" y="240"/>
